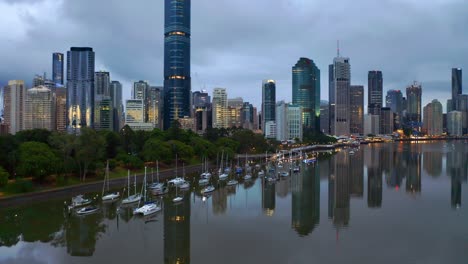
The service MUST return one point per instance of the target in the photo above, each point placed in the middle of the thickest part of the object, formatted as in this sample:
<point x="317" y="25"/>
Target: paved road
<point x="68" y="192"/>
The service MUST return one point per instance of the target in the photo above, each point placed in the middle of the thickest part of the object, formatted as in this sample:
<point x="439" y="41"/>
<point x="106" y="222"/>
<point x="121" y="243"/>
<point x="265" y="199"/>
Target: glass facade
<point x="177" y="80"/>
<point x="456" y="83"/>
<point x="57" y="68"/>
<point x="413" y="95"/>
<point x="375" y="82"/>
<point x="356" y="107"/>
<point x="80" y="88"/>
<point x="306" y="92"/>
<point x="268" y="101"/>
<point x="117" y="104"/>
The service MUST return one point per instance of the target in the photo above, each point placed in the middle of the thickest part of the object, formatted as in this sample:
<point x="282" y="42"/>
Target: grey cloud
<point x="236" y="44"/>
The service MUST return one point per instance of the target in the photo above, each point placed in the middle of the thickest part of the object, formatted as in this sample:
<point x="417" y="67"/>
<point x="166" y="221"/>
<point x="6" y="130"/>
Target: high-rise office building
<point x="306" y="92"/>
<point x="356" y="109"/>
<point x="135" y="115"/>
<point x="461" y="104"/>
<point x="101" y="93"/>
<point x="219" y="108"/>
<point x="455" y="123"/>
<point x="80" y="88"/>
<point x="248" y="116"/>
<point x="235" y="106"/>
<point x="375" y="92"/>
<point x="61" y="109"/>
<point x="433" y="118"/>
<point x="386" y="121"/>
<point x="101" y="84"/>
<point x="413" y="110"/>
<point x="289" y="125"/>
<point x="57" y="69"/>
<point x="1" y="103"/>
<point x="139" y="90"/>
<point x="14" y="100"/>
<point x="456" y="84"/>
<point x="339" y="96"/>
<point x="268" y="101"/>
<point x="177" y="80"/>
<point x="39" y="109"/>
<point x="394" y="100"/>
<point x="154" y="106"/>
<point x="117" y="105"/>
<point x="324" y="117"/>
<point x="105" y="113"/>
<point x="200" y="99"/>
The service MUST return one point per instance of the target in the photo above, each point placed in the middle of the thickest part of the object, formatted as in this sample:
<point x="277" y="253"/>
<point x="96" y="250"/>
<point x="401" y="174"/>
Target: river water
<point x="387" y="203"/>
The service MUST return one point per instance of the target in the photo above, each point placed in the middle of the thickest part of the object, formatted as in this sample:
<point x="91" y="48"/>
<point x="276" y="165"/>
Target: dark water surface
<point x="387" y="203"/>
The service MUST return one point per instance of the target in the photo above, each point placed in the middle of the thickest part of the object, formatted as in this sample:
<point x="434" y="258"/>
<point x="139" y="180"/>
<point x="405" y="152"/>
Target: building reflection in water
<point x="177" y="231"/>
<point x="339" y="189"/>
<point x="374" y="177"/>
<point x="82" y="233"/>
<point x="432" y="162"/>
<point x="305" y="207"/>
<point x="282" y="188"/>
<point x="219" y="201"/>
<point x="356" y="170"/>
<point x="454" y="167"/>
<point x="413" y="176"/>
<point x="394" y="177"/>
<point x="268" y="198"/>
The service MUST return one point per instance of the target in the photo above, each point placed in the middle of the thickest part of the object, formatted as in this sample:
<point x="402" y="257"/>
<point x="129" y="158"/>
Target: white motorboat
<point x="205" y="175"/>
<point x="156" y="186"/>
<point x="106" y="196"/>
<point x="261" y="173"/>
<point x="223" y="176"/>
<point x="177" y="181"/>
<point x="184" y="186"/>
<point x="178" y="199"/>
<point x="208" y="189"/>
<point x="232" y="183"/>
<point x="134" y="198"/>
<point x="147" y="209"/>
<point x="351" y="152"/>
<point x="87" y="210"/>
<point x="203" y="181"/>
<point x="284" y="174"/>
<point x="79" y="201"/>
<point x="296" y="169"/>
<point x="111" y="197"/>
<point x="271" y="179"/>
<point x="247" y="177"/>
<point x="158" y="192"/>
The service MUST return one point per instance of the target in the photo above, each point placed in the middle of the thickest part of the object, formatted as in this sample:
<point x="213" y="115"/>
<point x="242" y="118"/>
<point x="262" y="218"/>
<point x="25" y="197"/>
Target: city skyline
<point x="411" y="63"/>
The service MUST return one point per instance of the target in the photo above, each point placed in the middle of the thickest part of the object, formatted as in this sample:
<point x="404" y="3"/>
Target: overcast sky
<point x="238" y="43"/>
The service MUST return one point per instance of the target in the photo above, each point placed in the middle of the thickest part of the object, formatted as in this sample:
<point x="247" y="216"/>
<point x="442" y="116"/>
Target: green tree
<point x="183" y="151"/>
<point x="227" y="143"/>
<point x="36" y="159"/>
<point x="127" y="135"/>
<point x="64" y="146"/>
<point x="156" y="149"/>
<point x="4" y="175"/>
<point x="37" y="135"/>
<point x="113" y="143"/>
<point x="8" y="147"/>
<point x="90" y="149"/>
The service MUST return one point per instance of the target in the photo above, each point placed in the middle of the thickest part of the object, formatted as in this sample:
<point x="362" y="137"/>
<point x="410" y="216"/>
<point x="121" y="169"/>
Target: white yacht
<point x="208" y="189"/>
<point x="232" y="183"/>
<point x="87" y="210"/>
<point x="203" y="181"/>
<point x="177" y="181"/>
<point x="147" y="209"/>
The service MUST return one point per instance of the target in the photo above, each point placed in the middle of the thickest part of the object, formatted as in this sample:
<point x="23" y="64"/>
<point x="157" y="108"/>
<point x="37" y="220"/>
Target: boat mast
<point x="128" y="179"/>
<point x="157" y="170"/>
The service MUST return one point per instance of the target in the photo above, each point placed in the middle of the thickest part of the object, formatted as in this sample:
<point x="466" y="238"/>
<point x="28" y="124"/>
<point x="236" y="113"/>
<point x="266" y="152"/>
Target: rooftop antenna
<point x="338" y="48"/>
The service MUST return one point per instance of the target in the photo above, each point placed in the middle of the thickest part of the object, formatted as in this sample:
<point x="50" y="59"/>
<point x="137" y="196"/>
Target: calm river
<point x="387" y="203"/>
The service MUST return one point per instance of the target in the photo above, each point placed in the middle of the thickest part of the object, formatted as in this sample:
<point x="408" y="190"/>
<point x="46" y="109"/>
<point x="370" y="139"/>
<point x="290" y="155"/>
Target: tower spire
<point x="338" y="48"/>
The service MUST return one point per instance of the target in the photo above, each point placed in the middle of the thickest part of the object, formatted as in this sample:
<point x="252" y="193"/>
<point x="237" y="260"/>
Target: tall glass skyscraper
<point x="117" y="104"/>
<point x="339" y="96"/>
<point x="268" y="102"/>
<point x="177" y="80"/>
<point x="414" y="108"/>
<point x="375" y="82"/>
<point x="80" y="88"/>
<point x="57" y="68"/>
<point x="356" y="107"/>
<point x="306" y="92"/>
<point x="456" y="83"/>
